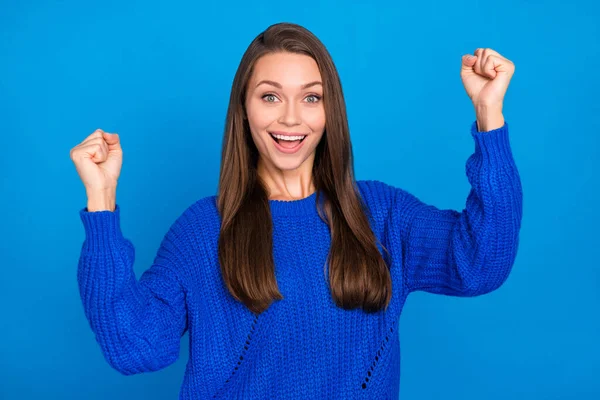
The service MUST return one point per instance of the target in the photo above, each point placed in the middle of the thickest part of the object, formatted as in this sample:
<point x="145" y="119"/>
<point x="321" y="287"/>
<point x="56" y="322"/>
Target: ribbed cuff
<point x="101" y="227"/>
<point x="494" y="145"/>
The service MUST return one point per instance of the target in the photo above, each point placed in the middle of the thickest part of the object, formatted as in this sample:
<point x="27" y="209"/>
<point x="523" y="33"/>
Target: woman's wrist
<point x="489" y="117"/>
<point x="101" y="200"/>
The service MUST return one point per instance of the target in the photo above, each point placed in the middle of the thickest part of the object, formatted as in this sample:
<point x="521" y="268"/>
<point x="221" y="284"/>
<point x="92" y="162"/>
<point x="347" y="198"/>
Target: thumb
<point x="112" y="139"/>
<point x="468" y="61"/>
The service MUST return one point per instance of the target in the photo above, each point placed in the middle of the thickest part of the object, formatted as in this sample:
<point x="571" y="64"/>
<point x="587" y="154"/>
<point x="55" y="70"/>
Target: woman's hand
<point x="98" y="160"/>
<point x="485" y="76"/>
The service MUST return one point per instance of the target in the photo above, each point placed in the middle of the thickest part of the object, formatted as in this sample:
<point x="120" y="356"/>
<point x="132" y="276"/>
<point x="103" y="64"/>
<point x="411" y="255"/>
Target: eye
<point x="269" y="98"/>
<point x="315" y="97"/>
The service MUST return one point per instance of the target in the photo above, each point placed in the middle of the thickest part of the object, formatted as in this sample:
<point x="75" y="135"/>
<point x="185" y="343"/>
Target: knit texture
<point x="304" y="346"/>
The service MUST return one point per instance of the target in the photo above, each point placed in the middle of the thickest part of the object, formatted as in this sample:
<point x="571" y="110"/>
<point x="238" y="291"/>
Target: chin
<point x="287" y="165"/>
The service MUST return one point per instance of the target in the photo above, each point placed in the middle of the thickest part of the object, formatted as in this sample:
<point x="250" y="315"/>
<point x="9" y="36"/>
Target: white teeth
<point x="290" y="138"/>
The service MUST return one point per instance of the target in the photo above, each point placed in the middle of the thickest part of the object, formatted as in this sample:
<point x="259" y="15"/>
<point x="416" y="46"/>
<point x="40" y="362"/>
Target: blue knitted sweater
<point x="304" y="346"/>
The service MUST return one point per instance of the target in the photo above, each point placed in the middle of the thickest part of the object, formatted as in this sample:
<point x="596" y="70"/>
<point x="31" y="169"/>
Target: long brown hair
<point x="358" y="275"/>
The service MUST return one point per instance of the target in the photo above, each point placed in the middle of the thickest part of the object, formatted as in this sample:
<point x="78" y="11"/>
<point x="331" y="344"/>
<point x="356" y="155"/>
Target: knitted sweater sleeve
<point x="137" y="323"/>
<point x="471" y="252"/>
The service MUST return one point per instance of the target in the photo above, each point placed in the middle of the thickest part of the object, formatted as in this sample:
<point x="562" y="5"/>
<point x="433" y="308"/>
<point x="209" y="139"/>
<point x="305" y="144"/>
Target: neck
<point x="287" y="184"/>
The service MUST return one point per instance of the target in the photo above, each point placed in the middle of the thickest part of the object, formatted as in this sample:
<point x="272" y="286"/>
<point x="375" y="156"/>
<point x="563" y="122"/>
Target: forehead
<point x="289" y="69"/>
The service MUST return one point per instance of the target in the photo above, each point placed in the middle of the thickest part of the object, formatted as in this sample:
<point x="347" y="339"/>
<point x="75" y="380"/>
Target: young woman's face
<point x="285" y="97"/>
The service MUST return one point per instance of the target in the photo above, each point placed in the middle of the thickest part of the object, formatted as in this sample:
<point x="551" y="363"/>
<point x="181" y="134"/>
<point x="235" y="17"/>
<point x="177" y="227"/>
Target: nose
<point x="290" y="115"/>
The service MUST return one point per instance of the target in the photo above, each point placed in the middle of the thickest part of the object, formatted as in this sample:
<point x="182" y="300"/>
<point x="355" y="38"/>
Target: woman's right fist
<point x="98" y="160"/>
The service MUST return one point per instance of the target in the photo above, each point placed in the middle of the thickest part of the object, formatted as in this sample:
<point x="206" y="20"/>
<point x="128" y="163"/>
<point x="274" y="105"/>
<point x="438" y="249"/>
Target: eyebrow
<point x="278" y="85"/>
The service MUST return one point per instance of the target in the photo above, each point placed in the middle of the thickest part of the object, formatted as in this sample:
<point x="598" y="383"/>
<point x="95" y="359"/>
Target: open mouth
<point x="289" y="142"/>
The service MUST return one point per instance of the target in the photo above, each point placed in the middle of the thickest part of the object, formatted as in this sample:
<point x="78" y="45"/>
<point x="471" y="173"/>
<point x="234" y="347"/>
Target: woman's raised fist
<point x="98" y="160"/>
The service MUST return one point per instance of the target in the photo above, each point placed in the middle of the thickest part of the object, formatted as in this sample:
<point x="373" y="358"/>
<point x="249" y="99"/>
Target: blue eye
<point x="269" y="95"/>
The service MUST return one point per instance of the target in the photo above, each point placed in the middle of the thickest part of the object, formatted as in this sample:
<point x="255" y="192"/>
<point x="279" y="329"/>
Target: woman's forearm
<point x="489" y="118"/>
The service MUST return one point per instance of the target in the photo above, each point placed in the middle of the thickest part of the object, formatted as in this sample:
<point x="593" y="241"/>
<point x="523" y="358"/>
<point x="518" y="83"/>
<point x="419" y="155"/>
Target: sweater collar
<point x="304" y="206"/>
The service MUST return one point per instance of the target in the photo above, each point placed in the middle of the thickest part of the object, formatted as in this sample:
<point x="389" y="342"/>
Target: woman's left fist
<point x="485" y="76"/>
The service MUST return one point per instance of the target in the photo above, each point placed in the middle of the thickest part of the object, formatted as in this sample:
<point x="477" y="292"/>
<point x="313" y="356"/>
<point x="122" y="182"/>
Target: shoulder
<point x="197" y="222"/>
<point x="380" y="195"/>
<point x="379" y="199"/>
<point x="387" y="204"/>
<point x="203" y="215"/>
<point x="199" y="225"/>
<point x="205" y="207"/>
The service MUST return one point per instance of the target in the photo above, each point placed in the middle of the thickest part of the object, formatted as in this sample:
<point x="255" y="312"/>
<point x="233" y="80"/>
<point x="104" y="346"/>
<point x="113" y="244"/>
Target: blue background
<point x="159" y="74"/>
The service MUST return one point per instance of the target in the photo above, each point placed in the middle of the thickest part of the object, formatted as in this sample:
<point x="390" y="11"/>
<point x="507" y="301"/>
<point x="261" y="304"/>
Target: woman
<point x="242" y="271"/>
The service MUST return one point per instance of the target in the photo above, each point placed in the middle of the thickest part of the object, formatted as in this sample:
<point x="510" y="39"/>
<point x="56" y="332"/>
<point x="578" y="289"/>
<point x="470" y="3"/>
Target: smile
<point x="286" y="143"/>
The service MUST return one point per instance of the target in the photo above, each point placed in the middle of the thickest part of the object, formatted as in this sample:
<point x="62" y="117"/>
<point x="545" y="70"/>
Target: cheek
<point x="316" y="120"/>
<point x="259" y="120"/>
<point x="261" y="116"/>
<point x="257" y="123"/>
